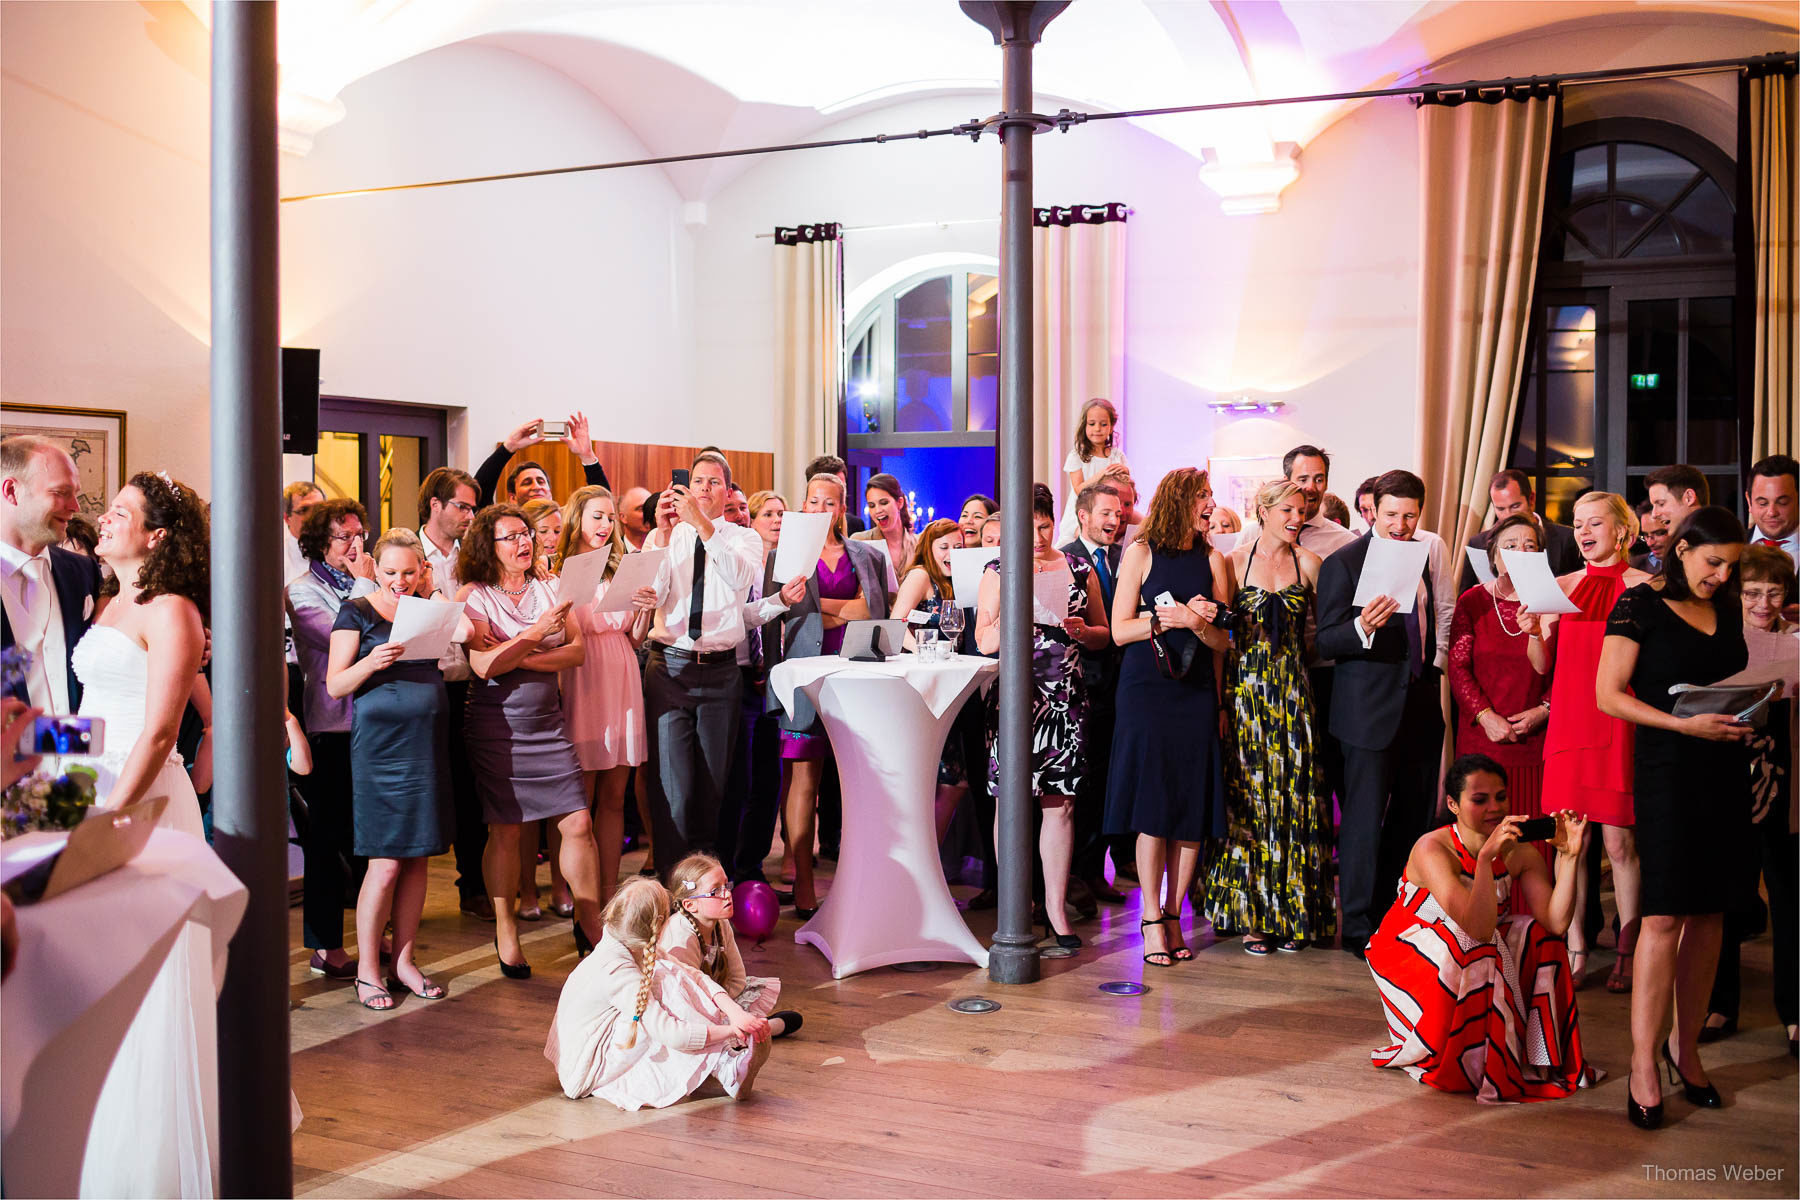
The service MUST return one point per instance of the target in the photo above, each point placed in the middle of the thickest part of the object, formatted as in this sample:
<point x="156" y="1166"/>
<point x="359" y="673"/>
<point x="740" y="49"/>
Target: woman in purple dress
<point x="849" y="583"/>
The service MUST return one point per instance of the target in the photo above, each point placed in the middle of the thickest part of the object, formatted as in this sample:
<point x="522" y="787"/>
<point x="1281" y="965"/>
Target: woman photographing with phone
<point x="519" y="638"/>
<point x="1693" y="793"/>
<point x="1472" y="955"/>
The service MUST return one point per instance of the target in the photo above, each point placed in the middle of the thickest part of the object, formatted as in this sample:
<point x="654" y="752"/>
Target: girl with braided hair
<point x="698" y="934"/>
<point x="639" y="1030"/>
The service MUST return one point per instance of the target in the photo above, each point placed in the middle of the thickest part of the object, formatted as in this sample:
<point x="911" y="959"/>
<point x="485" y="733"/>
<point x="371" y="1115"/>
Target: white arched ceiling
<point x="697" y="75"/>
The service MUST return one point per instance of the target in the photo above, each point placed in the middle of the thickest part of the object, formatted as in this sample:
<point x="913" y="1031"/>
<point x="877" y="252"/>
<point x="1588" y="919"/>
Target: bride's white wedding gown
<point x="156" y="1125"/>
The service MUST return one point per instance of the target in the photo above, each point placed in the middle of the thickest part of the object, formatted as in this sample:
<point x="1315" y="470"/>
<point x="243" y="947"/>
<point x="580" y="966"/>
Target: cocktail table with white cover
<point x="86" y="960"/>
<point x="887" y="723"/>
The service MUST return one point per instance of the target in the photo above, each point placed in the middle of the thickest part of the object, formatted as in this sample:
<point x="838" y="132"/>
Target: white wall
<point x="103" y="246"/>
<point x="513" y="299"/>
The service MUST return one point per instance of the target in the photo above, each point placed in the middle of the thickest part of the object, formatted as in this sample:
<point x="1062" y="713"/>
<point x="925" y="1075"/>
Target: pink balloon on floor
<point x="754" y="909"/>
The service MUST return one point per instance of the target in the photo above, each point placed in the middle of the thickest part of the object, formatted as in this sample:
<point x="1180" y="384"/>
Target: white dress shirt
<point x="1790" y="543"/>
<point x="293" y="563"/>
<point x="442" y="564"/>
<point x="734" y="564"/>
<point x="29" y="593"/>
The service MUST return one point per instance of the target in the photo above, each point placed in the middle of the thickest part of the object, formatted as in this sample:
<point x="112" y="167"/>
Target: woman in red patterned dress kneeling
<point x="1471" y="962"/>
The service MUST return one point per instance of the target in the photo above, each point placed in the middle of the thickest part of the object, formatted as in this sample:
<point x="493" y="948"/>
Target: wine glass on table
<point x="950" y="625"/>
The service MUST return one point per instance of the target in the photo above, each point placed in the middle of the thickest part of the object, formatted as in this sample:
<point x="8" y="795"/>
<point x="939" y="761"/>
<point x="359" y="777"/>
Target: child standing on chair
<point x="1096" y="452"/>
<point x="698" y="934"/>
<point x="638" y="1030"/>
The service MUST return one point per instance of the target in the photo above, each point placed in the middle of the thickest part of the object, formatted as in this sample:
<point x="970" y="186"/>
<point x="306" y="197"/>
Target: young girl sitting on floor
<point x="639" y="1030"/>
<point x="698" y="934"/>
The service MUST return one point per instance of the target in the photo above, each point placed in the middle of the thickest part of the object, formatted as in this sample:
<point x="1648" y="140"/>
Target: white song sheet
<point x="1392" y="569"/>
<point x="425" y="627"/>
<point x="802" y="541"/>
<point x="1050" y="597"/>
<point x="1535" y="582"/>
<point x="966" y="566"/>
<point x="582" y="577"/>
<point x="1478" y="562"/>
<point x="635" y="571"/>
<point x="1224" y="543"/>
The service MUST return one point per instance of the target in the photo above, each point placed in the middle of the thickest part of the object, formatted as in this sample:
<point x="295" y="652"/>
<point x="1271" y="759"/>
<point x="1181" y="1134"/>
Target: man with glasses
<point x="447" y="501"/>
<point x="692" y="685"/>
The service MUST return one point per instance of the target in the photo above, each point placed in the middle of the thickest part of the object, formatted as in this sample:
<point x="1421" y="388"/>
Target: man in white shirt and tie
<point x="692" y="685"/>
<point x="1774" y="506"/>
<point x="47" y="592"/>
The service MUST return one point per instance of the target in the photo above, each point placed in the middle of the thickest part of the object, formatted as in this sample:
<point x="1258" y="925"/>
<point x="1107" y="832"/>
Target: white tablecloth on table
<point x="889" y="902"/>
<point x="86" y="959"/>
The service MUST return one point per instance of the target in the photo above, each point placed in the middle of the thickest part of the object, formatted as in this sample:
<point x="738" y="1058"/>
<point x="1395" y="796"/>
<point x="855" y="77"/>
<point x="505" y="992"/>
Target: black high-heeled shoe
<point x="511" y="970"/>
<point x="1643" y="1116"/>
<point x="1068" y="941"/>
<point x="790" y="1022"/>
<point x="1713" y="1033"/>
<point x="1698" y="1094"/>
<point x="583" y="947"/>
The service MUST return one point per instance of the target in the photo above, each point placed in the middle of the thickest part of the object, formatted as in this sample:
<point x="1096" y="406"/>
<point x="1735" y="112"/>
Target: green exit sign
<point x="1646" y="382"/>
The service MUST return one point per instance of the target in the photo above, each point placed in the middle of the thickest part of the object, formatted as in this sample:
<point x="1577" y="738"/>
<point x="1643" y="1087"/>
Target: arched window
<point x="1633" y="359"/>
<point x="922" y="388"/>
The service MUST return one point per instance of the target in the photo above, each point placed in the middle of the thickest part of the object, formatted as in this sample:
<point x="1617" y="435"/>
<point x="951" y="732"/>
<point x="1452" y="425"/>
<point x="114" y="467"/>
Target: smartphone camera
<point x="1537" y="829"/>
<point x="554" y="431"/>
<point x="62" y="736"/>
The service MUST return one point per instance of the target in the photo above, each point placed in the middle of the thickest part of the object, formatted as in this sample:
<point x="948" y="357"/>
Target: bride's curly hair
<point x="178" y="565"/>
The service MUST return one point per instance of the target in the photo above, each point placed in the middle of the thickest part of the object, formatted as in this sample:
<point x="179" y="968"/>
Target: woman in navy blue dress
<point x="1166" y="784"/>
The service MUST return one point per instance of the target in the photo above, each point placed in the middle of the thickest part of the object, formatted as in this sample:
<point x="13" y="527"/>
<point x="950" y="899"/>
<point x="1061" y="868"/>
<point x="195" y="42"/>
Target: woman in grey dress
<point x="519" y="637"/>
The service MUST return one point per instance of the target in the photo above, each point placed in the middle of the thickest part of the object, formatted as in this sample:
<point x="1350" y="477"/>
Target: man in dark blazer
<point x="1100" y="516"/>
<point x="1385" y="712"/>
<point x="1511" y="495"/>
<point x="49" y="593"/>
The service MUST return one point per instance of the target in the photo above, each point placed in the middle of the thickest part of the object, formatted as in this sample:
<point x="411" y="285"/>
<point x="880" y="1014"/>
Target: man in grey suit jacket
<point x="1511" y="494"/>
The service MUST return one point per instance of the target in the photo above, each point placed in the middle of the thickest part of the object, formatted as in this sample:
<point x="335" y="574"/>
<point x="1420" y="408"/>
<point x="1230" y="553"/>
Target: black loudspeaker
<point x="299" y="401"/>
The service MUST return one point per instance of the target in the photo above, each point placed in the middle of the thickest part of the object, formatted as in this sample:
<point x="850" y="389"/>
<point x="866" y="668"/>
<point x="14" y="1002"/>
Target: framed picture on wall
<point x="94" y="438"/>
<point x="1236" y="479"/>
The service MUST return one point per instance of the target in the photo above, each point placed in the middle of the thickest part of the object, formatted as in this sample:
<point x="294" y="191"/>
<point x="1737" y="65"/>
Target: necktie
<point x="1767" y="542"/>
<point x="753" y="638"/>
<point x="1105" y="572"/>
<point x="698" y="604"/>
<point x="1415" y="652"/>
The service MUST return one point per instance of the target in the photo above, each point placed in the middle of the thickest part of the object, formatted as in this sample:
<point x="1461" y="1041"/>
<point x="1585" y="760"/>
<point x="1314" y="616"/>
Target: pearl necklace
<point x="1501" y="617"/>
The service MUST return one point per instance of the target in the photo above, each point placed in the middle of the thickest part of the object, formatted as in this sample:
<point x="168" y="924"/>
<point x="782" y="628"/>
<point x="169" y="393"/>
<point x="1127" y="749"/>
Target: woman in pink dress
<point x="603" y="698"/>
<point x="1587" y="754"/>
<point x="1500" y="707"/>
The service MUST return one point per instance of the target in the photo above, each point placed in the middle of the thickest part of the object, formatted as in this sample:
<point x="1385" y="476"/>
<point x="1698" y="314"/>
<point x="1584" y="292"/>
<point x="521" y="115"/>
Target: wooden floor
<point x="1232" y="1076"/>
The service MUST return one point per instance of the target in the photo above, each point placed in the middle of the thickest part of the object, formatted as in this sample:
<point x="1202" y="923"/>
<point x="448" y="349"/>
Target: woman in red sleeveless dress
<point x="1587" y="754"/>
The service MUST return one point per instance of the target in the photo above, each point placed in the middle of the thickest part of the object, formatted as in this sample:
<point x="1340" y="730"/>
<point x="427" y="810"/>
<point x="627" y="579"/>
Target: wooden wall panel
<point x="633" y="464"/>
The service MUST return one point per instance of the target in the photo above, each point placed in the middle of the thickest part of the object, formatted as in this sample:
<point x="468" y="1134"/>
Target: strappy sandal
<point x="373" y="1003"/>
<point x="431" y="990"/>
<point x="1150" y="956"/>
<point x="1578" y="969"/>
<point x="1179" y="953"/>
<point x="1258" y="945"/>
<point x="1619" y="982"/>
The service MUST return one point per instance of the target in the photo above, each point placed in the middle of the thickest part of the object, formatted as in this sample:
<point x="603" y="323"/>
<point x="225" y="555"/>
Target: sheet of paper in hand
<point x="425" y="627"/>
<point x="1392" y="569"/>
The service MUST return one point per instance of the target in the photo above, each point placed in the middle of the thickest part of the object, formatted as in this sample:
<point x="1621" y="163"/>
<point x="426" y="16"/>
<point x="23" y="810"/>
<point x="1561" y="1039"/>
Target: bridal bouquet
<point x="41" y="801"/>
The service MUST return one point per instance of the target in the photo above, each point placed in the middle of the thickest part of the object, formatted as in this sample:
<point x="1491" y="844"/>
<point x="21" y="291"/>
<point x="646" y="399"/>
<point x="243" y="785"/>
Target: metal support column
<point x="1016" y="27"/>
<point x="250" y="785"/>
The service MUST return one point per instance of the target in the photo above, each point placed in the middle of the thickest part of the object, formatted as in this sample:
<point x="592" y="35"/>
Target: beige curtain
<point x="809" y="349"/>
<point x="1482" y="177"/>
<point x="1771" y="121"/>
<point x="1078" y="314"/>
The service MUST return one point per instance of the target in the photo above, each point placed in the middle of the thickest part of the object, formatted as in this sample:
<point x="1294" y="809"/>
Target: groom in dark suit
<point x="1385" y="712"/>
<point x="1100" y="516"/>
<point x="47" y="594"/>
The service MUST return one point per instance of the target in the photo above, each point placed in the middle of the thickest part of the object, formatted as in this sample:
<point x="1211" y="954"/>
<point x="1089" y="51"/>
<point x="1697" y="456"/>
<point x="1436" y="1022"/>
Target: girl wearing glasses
<point x="698" y="934"/>
<point x="639" y="1031"/>
<point x="525" y="770"/>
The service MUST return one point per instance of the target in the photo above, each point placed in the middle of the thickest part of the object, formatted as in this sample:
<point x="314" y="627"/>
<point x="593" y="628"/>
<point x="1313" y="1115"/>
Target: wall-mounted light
<point x="1245" y="402"/>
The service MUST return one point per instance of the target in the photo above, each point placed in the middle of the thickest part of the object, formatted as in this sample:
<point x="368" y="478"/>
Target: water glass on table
<point x="927" y="640"/>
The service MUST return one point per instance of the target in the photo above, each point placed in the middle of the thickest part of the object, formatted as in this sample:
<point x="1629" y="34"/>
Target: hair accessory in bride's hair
<point x="173" y="486"/>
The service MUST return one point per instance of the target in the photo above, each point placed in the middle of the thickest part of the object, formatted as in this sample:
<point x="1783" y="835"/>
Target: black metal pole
<point x="249" y="788"/>
<point x="1016" y="27"/>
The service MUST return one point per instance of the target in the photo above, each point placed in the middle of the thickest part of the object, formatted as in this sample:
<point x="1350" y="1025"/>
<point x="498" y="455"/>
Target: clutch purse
<point x="1747" y="703"/>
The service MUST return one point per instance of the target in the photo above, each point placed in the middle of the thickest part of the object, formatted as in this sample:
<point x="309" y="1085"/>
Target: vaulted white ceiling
<point x="696" y="75"/>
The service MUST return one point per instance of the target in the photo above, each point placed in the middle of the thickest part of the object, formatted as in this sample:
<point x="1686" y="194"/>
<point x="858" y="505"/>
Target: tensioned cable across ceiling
<point x="1066" y="119"/>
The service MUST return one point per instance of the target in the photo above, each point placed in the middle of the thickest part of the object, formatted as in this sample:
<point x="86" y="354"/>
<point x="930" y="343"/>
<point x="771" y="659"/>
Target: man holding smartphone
<point x="573" y="432"/>
<point x="692" y="685"/>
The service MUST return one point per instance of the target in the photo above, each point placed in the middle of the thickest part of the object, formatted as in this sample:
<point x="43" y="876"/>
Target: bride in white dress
<point x="155" y="1127"/>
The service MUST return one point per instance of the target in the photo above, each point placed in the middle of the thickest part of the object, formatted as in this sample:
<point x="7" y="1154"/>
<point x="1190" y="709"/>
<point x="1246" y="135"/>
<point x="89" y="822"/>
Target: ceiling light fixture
<point x="1245" y="402"/>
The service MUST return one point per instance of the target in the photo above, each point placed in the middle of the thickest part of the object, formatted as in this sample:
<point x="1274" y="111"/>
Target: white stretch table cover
<point x="86" y="960"/>
<point x="887" y="722"/>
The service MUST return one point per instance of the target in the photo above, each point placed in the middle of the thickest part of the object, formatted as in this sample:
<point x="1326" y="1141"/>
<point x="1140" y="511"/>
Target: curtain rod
<point x="1064" y="119"/>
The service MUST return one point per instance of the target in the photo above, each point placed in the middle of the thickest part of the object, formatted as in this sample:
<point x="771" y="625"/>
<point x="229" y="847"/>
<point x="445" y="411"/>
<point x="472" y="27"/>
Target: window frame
<point x="880" y="316"/>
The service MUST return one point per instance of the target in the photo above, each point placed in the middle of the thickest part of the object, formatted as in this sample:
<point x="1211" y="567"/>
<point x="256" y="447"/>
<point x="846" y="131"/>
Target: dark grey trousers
<point x="692" y="711"/>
